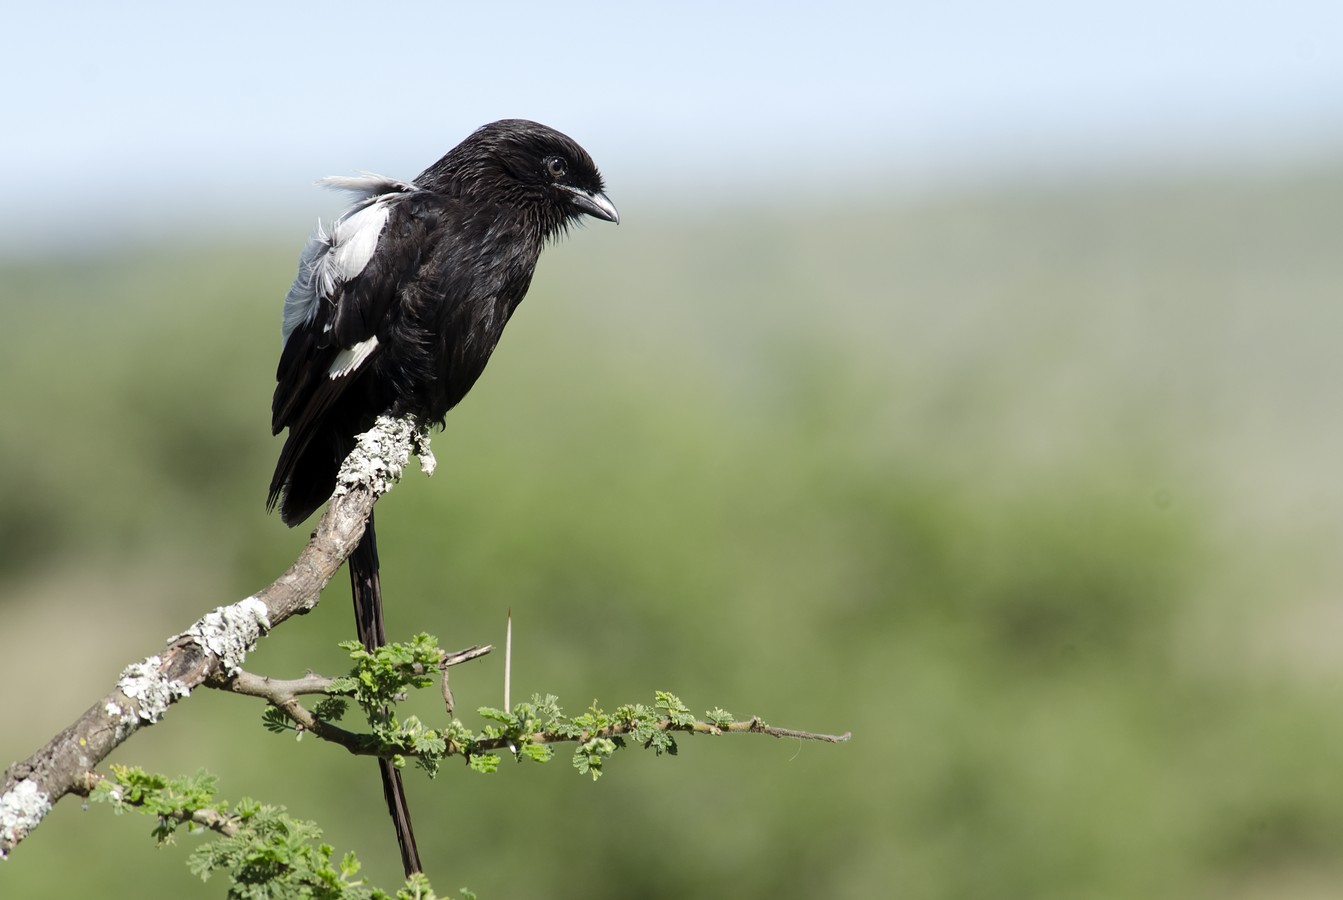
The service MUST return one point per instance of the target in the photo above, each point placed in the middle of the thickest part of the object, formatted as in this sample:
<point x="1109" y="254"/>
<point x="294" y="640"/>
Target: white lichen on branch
<point x="21" y="809"/>
<point x="420" y="448"/>
<point x="230" y="632"/>
<point x="152" y="691"/>
<point x="381" y="454"/>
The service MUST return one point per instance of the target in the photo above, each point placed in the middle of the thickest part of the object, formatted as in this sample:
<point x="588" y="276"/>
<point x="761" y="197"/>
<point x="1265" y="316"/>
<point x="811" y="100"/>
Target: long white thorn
<point x="508" y="668"/>
<point x="508" y="660"/>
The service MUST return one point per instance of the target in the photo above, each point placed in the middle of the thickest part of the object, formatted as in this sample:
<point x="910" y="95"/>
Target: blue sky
<point x="168" y="112"/>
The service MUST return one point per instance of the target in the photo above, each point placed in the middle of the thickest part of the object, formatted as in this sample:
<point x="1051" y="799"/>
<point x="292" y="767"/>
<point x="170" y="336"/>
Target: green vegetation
<point x="1034" y="491"/>
<point x="263" y="852"/>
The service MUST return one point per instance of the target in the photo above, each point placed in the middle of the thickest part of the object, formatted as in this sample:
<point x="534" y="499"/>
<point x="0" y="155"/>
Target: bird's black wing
<point x="338" y="312"/>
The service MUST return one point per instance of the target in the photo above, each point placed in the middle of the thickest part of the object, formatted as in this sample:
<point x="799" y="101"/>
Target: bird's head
<point x="533" y="166"/>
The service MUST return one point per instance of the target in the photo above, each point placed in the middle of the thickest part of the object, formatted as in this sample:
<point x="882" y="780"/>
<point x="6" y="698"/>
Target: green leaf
<point x="661" y="742"/>
<point x="537" y="752"/>
<point x="673" y="709"/>
<point x="591" y="755"/>
<point x="330" y="708"/>
<point x="343" y="685"/>
<point x="275" y="721"/>
<point x="719" y="718"/>
<point x="485" y="763"/>
<point x="497" y="715"/>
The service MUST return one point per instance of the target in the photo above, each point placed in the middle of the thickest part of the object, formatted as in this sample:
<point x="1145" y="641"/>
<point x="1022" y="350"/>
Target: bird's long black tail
<point x="367" y="591"/>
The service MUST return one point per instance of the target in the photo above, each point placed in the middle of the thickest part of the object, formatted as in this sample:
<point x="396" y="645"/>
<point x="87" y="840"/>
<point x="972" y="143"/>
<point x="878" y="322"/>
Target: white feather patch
<point x="330" y="260"/>
<point x="351" y="358"/>
<point x="353" y="241"/>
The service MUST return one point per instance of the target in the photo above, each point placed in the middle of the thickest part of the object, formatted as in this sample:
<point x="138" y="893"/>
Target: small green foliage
<point x="484" y="763"/>
<point x="274" y="855"/>
<point x="332" y="709"/>
<point x="551" y="720"/>
<point x="457" y="736"/>
<point x="594" y="720"/>
<point x="346" y="684"/>
<point x="547" y="710"/>
<point x="719" y="718"/>
<point x="644" y="727"/>
<point x="590" y="755"/>
<point x="429" y="746"/>
<point x="498" y="715"/>
<point x="379" y="679"/>
<point x="382" y="675"/>
<point x="275" y="721"/>
<point x="267" y="853"/>
<point x="418" y="888"/>
<point x="172" y="800"/>
<point x="537" y="752"/>
<point x="675" y="711"/>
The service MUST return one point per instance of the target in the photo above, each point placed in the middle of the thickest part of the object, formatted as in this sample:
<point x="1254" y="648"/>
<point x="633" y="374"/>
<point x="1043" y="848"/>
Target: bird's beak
<point x="596" y="204"/>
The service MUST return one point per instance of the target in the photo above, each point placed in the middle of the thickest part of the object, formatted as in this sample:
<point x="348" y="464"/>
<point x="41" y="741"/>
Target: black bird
<point x="397" y="309"/>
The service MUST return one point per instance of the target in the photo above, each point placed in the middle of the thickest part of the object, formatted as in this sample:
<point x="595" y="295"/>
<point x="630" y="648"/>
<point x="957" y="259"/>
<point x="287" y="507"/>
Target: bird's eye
<point x="557" y="167"/>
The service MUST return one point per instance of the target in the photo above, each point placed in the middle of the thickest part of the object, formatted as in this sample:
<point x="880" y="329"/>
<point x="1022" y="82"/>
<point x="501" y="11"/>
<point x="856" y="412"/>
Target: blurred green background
<point x="964" y="377"/>
<point x="1031" y="490"/>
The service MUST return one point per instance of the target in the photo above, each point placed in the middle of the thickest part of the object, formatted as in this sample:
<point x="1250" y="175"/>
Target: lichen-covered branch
<point x="214" y="646"/>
